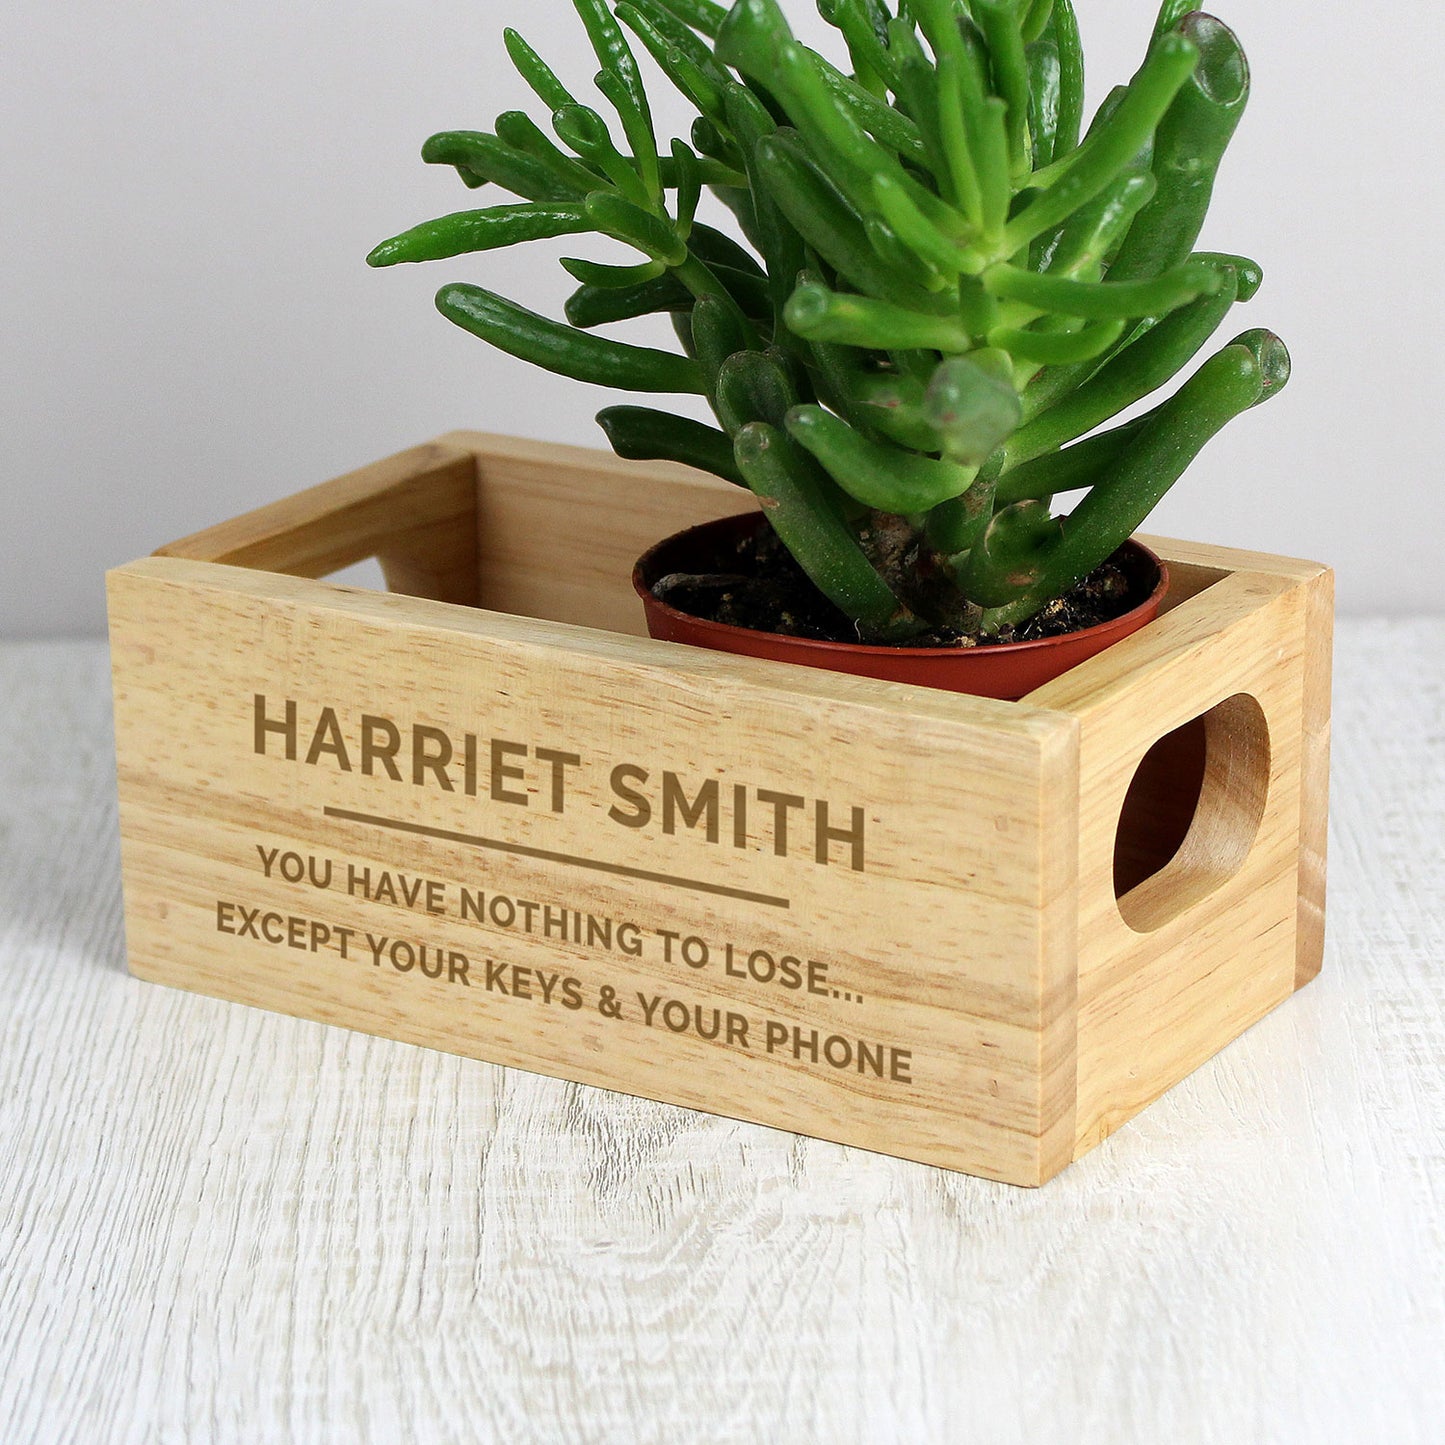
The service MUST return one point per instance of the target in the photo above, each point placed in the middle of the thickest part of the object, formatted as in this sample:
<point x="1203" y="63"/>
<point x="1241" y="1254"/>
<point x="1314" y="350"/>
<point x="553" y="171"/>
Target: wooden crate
<point x="480" y="813"/>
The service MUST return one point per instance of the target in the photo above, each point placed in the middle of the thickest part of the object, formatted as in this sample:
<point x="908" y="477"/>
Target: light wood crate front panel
<point x="529" y="888"/>
<point x="527" y="835"/>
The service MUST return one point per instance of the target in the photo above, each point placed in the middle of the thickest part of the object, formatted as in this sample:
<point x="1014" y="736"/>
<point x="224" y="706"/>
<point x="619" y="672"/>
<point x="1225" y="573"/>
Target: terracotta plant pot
<point x="1003" y="670"/>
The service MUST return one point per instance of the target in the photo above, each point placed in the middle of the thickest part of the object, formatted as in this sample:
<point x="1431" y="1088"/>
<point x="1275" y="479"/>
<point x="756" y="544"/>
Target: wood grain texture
<point x="1192" y="565"/>
<point x="938" y="951"/>
<point x="1204" y="948"/>
<point x="1315" y="776"/>
<point x="1034" y="1009"/>
<point x="528" y="492"/>
<point x="413" y="511"/>
<point x="224" y="1225"/>
<point x="1017" y="1008"/>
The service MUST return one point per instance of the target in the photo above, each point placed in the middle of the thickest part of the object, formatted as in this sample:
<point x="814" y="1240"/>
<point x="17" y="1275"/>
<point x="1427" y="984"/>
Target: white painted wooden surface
<point x="220" y="1225"/>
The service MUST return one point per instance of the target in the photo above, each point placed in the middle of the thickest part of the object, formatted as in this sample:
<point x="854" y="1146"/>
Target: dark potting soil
<point x="760" y="587"/>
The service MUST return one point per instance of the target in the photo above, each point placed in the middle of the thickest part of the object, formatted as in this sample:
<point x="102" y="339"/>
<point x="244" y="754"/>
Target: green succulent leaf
<point x="677" y="33"/>
<point x="1063" y="26"/>
<point x="774" y="234"/>
<point x="891" y="404"/>
<point x="615" y="56"/>
<point x="992" y="156"/>
<point x="480" y="158"/>
<point x="1127" y="377"/>
<point x="1112" y="146"/>
<point x="1070" y="468"/>
<point x="718" y="331"/>
<point x="689" y="186"/>
<point x="888" y="126"/>
<point x="1057" y="348"/>
<point x="717" y="248"/>
<point x="866" y="37"/>
<point x="972" y="405"/>
<point x="1188" y="146"/>
<point x="1104" y="300"/>
<point x="1044" y="93"/>
<point x="1249" y="275"/>
<point x="590" y="306"/>
<point x="939" y="22"/>
<point x="1251" y="369"/>
<point x="1034" y="19"/>
<point x="819" y="314"/>
<point x="619" y="218"/>
<point x="640" y="434"/>
<point x="703" y="16"/>
<point x="692" y="79"/>
<point x="518" y="130"/>
<point x="637" y="127"/>
<point x="930" y="244"/>
<point x="828" y="222"/>
<point x="1086" y="240"/>
<point x="536" y="72"/>
<point x="754" y="386"/>
<point x="580" y="127"/>
<point x="713" y="141"/>
<point x="1171" y="12"/>
<point x="878" y="475"/>
<point x="1000" y="22"/>
<point x="564" y="350"/>
<point x="602" y="274"/>
<point x="482" y="231"/>
<point x="956" y="104"/>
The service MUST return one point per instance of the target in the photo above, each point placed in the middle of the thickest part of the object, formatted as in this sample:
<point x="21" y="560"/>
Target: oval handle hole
<point x="1191" y="812"/>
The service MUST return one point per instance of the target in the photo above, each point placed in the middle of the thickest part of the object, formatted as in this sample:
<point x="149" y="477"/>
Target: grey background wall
<point x="189" y="189"/>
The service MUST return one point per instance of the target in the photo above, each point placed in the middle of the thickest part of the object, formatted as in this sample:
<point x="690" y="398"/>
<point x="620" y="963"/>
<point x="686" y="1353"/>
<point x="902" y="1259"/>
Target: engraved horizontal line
<point x="497" y="845"/>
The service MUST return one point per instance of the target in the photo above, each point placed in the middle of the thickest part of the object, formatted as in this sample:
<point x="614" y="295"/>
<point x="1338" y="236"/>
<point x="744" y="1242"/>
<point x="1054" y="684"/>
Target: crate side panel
<point x="625" y="863"/>
<point x="1319" y="627"/>
<point x="1153" y="1005"/>
<point x="415" y="511"/>
<point x="559" y="528"/>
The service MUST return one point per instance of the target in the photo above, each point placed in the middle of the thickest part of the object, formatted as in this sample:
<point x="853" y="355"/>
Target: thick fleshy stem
<point x="797" y="498"/>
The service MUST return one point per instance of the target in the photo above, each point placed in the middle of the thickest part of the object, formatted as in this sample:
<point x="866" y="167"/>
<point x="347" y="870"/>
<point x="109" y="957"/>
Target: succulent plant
<point x="945" y="293"/>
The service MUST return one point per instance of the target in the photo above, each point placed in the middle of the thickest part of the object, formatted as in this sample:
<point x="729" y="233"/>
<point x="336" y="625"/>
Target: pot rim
<point x="869" y="649"/>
